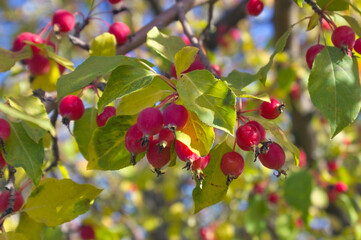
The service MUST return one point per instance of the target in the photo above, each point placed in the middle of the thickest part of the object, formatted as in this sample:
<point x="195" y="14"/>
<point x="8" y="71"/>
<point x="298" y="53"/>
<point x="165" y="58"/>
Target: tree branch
<point x="55" y="146"/>
<point x="160" y="21"/>
<point x="10" y="186"/>
<point x="188" y="31"/>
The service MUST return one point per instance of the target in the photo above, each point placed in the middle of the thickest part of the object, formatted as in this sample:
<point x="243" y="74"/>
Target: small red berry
<point x="217" y="69"/>
<point x="259" y="188"/>
<point x="259" y="127"/>
<point x="175" y="117"/>
<point x="273" y="198"/>
<point x="254" y="7"/>
<point x="19" y="43"/>
<point x="232" y="165"/>
<point x="332" y="166"/>
<point x="325" y="25"/>
<point x="64" y="20"/>
<point x="71" y="107"/>
<point x="114" y="1"/>
<point x="274" y="158"/>
<point x="150" y="121"/>
<point x="5" y="130"/>
<point x="341" y="187"/>
<point x="357" y="46"/>
<point x="4" y="199"/>
<point x="343" y="36"/>
<point x="166" y="137"/>
<point x="184" y="153"/>
<point x="156" y="158"/>
<point x="332" y="195"/>
<point x="120" y="31"/>
<point x="38" y="65"/>
<point x="105" y="115"/>
<point x="199" y="165"/>
<point x="133" y="142"/>
<point x="312" y="53"/>
<point x="248" y="137"/>
<point x="295" y="91"/>
<point x="186" y="40"/>
<point x="86" y="232"/>
<point x="2" y="161"/>
<point x="271" y="110"/>
<point x="303" y="159"/>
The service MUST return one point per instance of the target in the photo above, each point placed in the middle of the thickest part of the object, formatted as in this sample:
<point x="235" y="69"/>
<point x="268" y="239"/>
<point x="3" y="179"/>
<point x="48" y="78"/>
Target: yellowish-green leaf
<point x="135" y="102"/>
<point x="103" y="45"/>
<point x="198" y="136"/>
<point x="55" y="202"/>
<point x="263" y="96"/>
<point x="9" y="58"/>
<point x="184" y="58"/>
<point x="13" y="236"/>
<point x="313" y="22"/>
<point x="238" y="80"/>
<point x="29" y="227"/>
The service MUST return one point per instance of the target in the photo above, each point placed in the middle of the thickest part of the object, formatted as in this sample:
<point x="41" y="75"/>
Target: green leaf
<point x="106" y="148"/>
<point x="256" y="214"/>
<point x="333" y="5"/>
<point x="214" y="187"/>
<point x="263" y="96"/>
<point x="345" y="202"/>
<point x="353" y="23"/>
<point x="123" y="81"/>
<point x="209" y="98"/>
<point x="297" y="191"/>
<point x="23" y="152"/>
<point x="13" y="236"/>
<point x="280" y="45"/>
<point x="198" y="136"/>
<point x="299" y="3"/>
<point x="54" y="202"/>
<point x="9" y="58"/>
<point x="165" y="46"/>
<point x="135" y="102"/>
<point x="91" y="69"/>
<point x="313" y="22"/>
<point x="32" y="106"/>
<point x="353" y="6"/>
<point x="83" y="130"/>
<point x="43" y="123"/>
<point x="336" y="76"/>
<point x="29" y="227"/>
<point x="238" y="80"/>
<point x="184" y="58"/>
<point x="280" y="136"/>
<point x="103" y="45"/>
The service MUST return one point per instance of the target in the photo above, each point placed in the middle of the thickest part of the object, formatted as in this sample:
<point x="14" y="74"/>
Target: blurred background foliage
<point x="135" y="204"/>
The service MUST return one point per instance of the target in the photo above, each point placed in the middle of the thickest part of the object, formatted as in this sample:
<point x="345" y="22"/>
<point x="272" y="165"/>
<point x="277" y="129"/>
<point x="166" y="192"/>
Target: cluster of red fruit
<point x="252" y="137"/>
<point x="5" y="132"/>
<point x="342" y="37"/>
<point x="72" y="108"/>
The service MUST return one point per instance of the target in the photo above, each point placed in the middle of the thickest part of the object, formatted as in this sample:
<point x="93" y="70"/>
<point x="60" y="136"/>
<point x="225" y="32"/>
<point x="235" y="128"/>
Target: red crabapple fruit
<point x="19" y="41"/>
<point x="357" y="46"/>
<point x="2" y="161"/>
<point x="156" y="158"/>
<point x="38" y="65"/>
<point x="273" y="198"/>
<point x="260" y="128"/>
<point x="114" y="1"/>
<point x="5" y="130"/>
<point x="166" y="138"/>
<point x="343" y="37"/>
<point x="185" y="154"/>
<point x="199" y="165"/>
<point x="175" y="117"/>
<point x="232" y="165"/>
<point x="217" y="69"/>
<point x="248" y="137"/>
<point x="271" y="110"/>
<point x="86" y="232"/>
<point x="254" y="7"/>
<point x="341" y="187"/>
<point x="150" y="122"/>
<point x="133" y="142"/>
<point x="105" y="115"/>
<point x="64" y="20"/>
<point x="312" y="53"/>
<point x="4" y="199"/>
<point x="71" y="107"/>
<point x="274" y="158"/>
<point x="120" y="31"/>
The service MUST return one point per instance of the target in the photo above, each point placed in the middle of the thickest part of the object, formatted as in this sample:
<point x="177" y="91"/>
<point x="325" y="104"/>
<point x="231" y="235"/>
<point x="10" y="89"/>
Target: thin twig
<point x="188" y="31"/>
<point x="10" y="186"/>
<point x="78" y="42"/>
<point x="55" y="145"/>
<point x="205" y="32"/>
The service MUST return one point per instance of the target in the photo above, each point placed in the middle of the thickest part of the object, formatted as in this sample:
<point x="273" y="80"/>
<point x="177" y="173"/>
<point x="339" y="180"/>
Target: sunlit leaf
<point x="166" y="46"/>
<point x="214" y="187"/>
<point x="103" y="45"/>
<point x="238" y="80"/>
<point x="184" y="58"/>
<point x="9" y="58"/>
<point x="54" y="201"/>
<point x="13" y="236"/>
<point x="332" y="5"/>
<point x="30" y="227"/>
